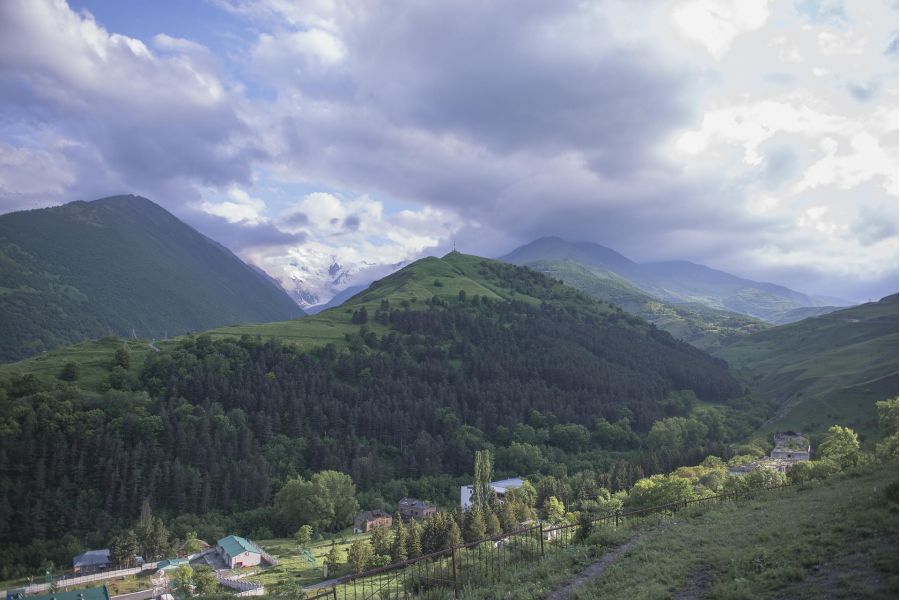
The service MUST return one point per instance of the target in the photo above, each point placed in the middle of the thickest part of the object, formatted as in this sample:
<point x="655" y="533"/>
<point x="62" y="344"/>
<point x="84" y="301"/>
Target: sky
<point x="330" y="141"/>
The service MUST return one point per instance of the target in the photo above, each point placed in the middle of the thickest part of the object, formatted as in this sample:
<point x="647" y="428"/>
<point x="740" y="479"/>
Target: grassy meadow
<point x="94" y="359"/>
<point x="834" y="540"/>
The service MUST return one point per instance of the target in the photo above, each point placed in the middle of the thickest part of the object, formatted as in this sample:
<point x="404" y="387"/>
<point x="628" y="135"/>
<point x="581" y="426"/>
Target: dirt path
<point x="594" y="570"/>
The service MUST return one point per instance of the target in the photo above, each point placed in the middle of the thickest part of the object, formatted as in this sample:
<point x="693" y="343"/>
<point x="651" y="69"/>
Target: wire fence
<point x="454" y="568"/>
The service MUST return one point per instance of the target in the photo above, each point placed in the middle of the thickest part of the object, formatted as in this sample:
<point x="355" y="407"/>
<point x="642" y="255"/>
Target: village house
<point x="238" y="552"/>
<point x="499" y="487"/>
<point x="91" y="561"/>
<point x="412" y="508"/>
<point x="791" y="447"/>
<point x="371" y="519"/>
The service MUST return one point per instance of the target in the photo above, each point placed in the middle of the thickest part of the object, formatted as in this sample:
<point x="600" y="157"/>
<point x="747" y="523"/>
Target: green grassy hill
<point x="107" y="267"/>
<point x="705" y="327"/>
<point x="824" y="370"/>
<point x="414" y="287"/>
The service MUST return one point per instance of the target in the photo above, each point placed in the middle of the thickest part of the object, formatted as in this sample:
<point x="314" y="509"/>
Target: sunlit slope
<point x="827" y="369"/>
<point x="414" y="287"/>
<point x="705" y="327"/>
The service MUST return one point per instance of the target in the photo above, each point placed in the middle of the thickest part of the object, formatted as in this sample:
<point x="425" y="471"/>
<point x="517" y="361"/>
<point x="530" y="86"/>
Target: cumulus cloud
<point x="151" y="118"/>
<point x="339" y="138"/>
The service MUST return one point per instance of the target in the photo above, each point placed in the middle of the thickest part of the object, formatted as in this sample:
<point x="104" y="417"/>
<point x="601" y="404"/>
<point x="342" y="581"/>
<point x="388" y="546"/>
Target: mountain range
<point x="703" y="306"/>
<point x="120" y="265"/>
<point x="677" y="282"/>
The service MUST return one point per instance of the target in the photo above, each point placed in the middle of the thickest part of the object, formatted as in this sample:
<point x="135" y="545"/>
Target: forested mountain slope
<point x="674" y="282"/>
<point x="89" y="269"/>
<point x="432" y="363"/>
<point x="826" y="369"/>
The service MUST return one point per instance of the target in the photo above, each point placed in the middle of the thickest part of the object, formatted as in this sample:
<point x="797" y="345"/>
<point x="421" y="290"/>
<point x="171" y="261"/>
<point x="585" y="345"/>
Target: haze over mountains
<point x="117" y="265"/>
<point x="88" y="269"/>
<point x="678" y="281"/>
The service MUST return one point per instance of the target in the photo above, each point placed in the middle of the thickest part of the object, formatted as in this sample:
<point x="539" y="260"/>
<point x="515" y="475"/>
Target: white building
<point x="500" y="488"/>
<point x="238" y="552"/>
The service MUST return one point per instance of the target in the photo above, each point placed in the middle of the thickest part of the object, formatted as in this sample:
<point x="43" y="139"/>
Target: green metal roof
<point x="94" y="593"/>
<point x="235" y="544"/>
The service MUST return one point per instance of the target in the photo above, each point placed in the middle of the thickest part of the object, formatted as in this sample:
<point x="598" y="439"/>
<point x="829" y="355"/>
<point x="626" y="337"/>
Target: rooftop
<point x="91" y="558"/>
<point x="413" y="503"/>
<point x="507" y="484"/>
<point x="372" y="514"/>
<point x="790" y="440"/>
<point x="235" y="544"/>
<point x="95" y="593"/>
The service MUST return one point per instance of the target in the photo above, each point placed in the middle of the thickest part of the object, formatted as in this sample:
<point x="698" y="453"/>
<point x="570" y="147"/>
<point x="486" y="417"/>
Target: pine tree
<point x="333" y="558"/>
<point x="454" y="535"/>
<point x="492" y="524"/>
<point x="414" y="540"/>
<point x="359" y="555"/>
<point x="508" y="520"/>
<point x="475" y="528"/>
<point x="380" y="542"/>
<point x="399" y="550"/>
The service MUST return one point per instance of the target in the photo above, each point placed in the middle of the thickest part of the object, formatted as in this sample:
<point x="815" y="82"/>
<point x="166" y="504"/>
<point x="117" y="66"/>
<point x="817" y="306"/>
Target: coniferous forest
<point x="213" y="428"/>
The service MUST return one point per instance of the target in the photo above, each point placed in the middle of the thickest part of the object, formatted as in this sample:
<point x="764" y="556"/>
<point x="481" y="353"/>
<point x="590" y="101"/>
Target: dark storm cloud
<point x="505" y="75"/>
<point x="241" y="236"/>
<point x="511" y="119"/>
<point x="297" y="219"/>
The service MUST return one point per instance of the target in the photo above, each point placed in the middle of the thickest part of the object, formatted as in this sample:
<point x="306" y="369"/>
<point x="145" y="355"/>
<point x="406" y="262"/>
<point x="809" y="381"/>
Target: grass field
<point x="837" y="540"/>
<point x="94" y="358"/>
<point x="293" y="570"/>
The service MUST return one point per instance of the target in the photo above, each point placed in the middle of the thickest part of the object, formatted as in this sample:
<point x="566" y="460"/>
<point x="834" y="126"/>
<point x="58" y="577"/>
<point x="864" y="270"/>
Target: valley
<point x="567" y="374"/>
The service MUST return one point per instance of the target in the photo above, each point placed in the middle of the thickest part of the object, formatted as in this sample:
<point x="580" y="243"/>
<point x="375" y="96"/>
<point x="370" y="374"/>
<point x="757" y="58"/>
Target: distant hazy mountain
<point x="89" y="269"/>
<point x="675" y="282"/>
<point x="705" y="327"/>
<point x="336" y="300"/>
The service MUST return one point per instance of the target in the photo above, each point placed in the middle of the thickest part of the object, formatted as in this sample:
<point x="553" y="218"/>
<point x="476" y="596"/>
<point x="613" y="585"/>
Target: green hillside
<point x="824" y="370"/>
<point x="705" y="327"/>
<point x="675" y="282"/>
<point x="836" y="540"/>
<point x="116" y="265"/>
<point x="414" y="287"/>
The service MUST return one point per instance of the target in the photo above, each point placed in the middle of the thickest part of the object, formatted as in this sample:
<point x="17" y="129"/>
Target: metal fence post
<point x="541" y="531"/>
<point x="455" y="577"/>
